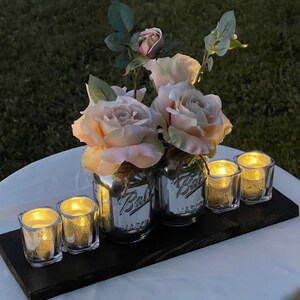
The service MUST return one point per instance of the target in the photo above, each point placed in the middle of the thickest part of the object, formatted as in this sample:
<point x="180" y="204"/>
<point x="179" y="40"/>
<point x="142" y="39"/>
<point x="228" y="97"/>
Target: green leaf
<point x="210" y="40"/>
<point x="121" y="61"/>
<point x="137" y="62"/>
<point x="134" y="42"/>
<point x="177" y="138"/>
<point x="237" y="44"/>
<point x="222" y="47"/>
<point x="210" y="63"/>
<point x="100" y="90"/>
<point x="226" y="26"/>
<point x="117" y="41"/>
<point x="121" y="16"/>
<point x="218" y="40"/>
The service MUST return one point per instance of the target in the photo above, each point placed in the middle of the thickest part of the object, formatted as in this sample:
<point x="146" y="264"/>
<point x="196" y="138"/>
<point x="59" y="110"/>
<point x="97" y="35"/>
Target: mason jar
<point x="180" y="179"/>
<point x="125" y="204"/>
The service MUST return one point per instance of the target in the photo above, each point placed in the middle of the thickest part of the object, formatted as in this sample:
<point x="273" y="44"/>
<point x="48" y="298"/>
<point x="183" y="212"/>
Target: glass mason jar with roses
<point x="122" y="146"/>
<point x="193" y="124"/>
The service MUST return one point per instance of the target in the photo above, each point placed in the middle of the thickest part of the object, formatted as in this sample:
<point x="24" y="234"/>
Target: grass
<point x="49" y="48"/>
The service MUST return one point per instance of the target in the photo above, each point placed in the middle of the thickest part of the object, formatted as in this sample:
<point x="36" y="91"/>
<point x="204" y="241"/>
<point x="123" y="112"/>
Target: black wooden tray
<point x="111" y="259"/>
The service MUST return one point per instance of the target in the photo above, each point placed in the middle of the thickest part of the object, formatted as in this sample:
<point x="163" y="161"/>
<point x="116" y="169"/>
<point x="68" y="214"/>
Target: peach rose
<point x="194" y="123"/>
<point x="151" y="42"/>
<point x="172" y="70"/>
<point x="118" y="131"/>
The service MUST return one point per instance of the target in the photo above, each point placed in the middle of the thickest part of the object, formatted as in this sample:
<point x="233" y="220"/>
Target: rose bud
<point x="151" y="42"/>
<point x="234" y="36"/>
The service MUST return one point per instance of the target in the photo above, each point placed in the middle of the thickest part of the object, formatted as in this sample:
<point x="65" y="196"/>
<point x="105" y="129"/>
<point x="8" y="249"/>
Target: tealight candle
<point x="80" y="224"/>
<point x="257" y="176"/>
<point x="222" y="188"/>
<point x="41" y="233"/>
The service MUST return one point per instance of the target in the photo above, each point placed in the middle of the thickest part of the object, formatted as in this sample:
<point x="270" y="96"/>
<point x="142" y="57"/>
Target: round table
<point x="263" y="264"/>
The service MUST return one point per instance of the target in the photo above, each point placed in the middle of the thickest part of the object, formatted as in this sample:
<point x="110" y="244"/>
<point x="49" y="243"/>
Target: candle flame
<point x="222" y="171"/>
<point x="36" y="215"/>
<point x="75" y="206"/>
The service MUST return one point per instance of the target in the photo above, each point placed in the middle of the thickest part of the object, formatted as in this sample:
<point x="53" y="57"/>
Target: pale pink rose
<point x="118" y="131"/>
<point x="194" y="123"/>
<point x="151" y="42"/>
<point x="172" y="70"/>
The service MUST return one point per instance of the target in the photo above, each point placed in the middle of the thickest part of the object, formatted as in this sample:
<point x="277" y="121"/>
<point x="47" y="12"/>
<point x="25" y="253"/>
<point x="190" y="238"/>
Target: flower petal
<point x="87" y="131"/>
<point x="119" y="91"/>
<point x="188" y="143"/>
<point x="126" y="136"/>
<point x="139" y="94"/>
<point x="211" y="105"/>
<point x="172" y="70"/>
<point x="157" y="74"/>
<point x="144" y="155"/>
<point x="93" y="162"/>
<point x="184" y="68"/>
<point x="219" y="129"/>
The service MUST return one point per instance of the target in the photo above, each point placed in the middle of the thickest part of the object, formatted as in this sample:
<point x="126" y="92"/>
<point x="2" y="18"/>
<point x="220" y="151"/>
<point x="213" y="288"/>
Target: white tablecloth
<point x="264" y="264"/>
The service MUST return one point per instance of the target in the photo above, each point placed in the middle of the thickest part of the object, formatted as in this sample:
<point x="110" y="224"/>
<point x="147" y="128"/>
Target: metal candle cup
<point x="257" y="176"/>
<point x="41" y="234"/>
<point x="222" y="188"/>
<point x="80" y="224"/>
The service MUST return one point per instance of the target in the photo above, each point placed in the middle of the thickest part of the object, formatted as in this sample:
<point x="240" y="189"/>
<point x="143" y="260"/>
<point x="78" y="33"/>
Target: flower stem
<point x="203" y="66"/>
<point x="136" y="74"/>
<point x="205" y="163"/>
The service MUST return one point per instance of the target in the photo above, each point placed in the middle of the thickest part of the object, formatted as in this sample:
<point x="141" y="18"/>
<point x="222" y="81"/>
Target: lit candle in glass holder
<point x="80" y="224"/>
<point x="257" y="176"/>
<point x="222" y="188"/>
<point x="41" y="234"/>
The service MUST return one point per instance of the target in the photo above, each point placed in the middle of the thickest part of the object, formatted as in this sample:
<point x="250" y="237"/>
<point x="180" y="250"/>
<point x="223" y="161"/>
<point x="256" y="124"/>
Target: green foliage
<point x="121" y="61"/>
<point x="121" y="16"/>
<point x="48" y="52"/>
<point x="138" y="61"/>
<point x="218" y="41"/>
<point x="117" y="41"/>
<point x="100" y="90"/>
<point x="134" y="42"/>
<point x="237" y="44"/>
<point x="226" y="26"/>
<point x="210" y="63"/>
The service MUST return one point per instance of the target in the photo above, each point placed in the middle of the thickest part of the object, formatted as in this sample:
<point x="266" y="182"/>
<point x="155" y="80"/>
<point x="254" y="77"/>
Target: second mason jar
<point x="180" y="179"/>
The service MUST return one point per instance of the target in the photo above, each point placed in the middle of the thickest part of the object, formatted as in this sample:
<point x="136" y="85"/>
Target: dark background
<point x="48" y="49"/>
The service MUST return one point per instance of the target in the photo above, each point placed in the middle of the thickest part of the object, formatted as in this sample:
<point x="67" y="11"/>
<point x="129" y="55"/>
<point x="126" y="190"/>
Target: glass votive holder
<point x="41" y="236"/>
<point x="80" y="222"/>
<point x="222" y="187"/>
<point x="257" y="176"/>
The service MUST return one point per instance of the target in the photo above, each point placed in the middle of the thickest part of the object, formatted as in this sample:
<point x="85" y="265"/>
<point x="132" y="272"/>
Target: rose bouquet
<point x="117" y="127"/>
<point x="181" y="124"/>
